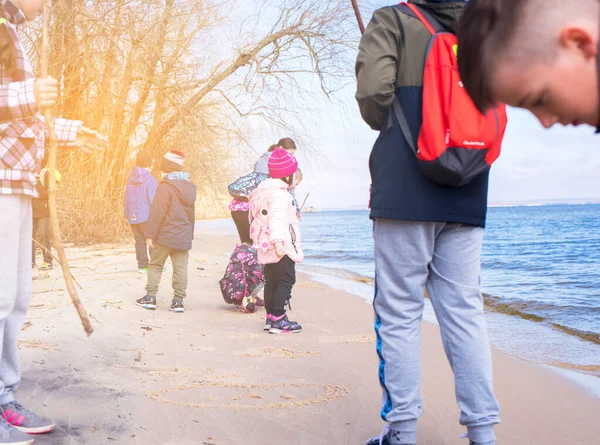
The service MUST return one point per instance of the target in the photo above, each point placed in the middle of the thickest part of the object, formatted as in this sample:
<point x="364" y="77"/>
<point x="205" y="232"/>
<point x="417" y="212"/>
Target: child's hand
<point x="90" y="140"/>
<point x="279" y="249"/>
<point x="149" y="243"/>
<point x="45" y="92"/>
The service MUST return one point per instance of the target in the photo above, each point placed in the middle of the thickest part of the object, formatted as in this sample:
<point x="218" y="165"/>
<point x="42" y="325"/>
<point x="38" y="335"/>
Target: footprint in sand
<point x="311" y="285"/>
<point x="281" y="353"/>
<point x="38" y="345"/>
<point x="346" y="339"/>
<point x="244" y="336"/>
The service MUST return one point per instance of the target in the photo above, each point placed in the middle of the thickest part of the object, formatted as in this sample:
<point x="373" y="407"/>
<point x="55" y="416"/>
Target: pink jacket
<point x="273" y="222"/>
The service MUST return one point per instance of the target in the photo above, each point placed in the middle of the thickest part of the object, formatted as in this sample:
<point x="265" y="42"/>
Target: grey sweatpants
<point x="445" y="258"/>
<point x="15" y="286"/>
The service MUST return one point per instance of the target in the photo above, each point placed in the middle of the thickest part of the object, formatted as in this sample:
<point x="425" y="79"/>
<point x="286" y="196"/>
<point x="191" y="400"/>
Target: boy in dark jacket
<point x="170" y="230"/>
<point x="41" y="220"/>
<point x="426" y="236"/>
<point x="139" y="195"/>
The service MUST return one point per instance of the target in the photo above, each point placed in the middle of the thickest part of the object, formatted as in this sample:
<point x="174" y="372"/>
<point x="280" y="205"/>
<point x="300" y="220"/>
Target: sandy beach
<point x="212" y="376"/>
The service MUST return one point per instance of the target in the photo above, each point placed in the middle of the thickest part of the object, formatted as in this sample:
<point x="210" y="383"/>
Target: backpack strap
<point x="434" y="27"/>
<point x="404" y="127"/>
<point x="412" y="10"/>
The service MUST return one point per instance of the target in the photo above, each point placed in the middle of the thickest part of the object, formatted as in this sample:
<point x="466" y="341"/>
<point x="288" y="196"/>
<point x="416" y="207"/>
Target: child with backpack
<point x="429" y="169"/>
<point x="41" y="219"/>
<point x="275" y="231"/>
<point x="541" y="55"/>
<point x="23" y="135"/>
<point x="139" y="195"/>
<point x="170" y="230"/>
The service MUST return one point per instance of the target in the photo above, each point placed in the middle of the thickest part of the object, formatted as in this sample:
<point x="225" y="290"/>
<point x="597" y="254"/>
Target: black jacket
<point x="172" y="215"/>
<point x="390" y="65"/>
<point x="40" y="205"/>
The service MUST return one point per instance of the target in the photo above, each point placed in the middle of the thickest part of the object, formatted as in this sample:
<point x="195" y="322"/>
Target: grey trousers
<point x="15" y="286"/>
<point x="445" y="259"/>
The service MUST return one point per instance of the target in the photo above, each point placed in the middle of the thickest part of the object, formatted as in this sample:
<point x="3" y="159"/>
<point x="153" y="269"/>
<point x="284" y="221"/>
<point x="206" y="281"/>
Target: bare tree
<point x="157" y="74"/>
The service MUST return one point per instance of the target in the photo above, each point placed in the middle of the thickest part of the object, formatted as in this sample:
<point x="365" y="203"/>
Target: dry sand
<point x="211" y="376"/>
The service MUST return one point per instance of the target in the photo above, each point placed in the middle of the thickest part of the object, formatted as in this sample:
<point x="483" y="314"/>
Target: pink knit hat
<point x="282" y="164"/>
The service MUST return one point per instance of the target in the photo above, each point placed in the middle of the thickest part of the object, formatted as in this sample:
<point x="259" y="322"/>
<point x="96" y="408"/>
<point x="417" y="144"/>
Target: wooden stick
<point x="57" y="260"/>
<point x="304" y="202"/>
<point x="85" y="321"/>
<point x="359" y="19"/>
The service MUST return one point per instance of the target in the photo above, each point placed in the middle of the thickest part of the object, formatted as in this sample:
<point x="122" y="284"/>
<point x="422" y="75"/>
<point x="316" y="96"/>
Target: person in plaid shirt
<point x="23" y="135"/>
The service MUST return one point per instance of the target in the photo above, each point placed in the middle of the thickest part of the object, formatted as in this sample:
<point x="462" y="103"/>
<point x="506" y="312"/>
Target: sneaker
<point x="382" y="439"/>
<point x="147" y="302"/>
<point x="177" y="306"/>
<point x="143" y="270"/>
<point x="46" y="266"/>
<point x="268" y="323"/>
<point x="11" y="435"/>
<point x="377" y="441"/>
<point x="25" y="420"/>
<point x="283" y="325"/>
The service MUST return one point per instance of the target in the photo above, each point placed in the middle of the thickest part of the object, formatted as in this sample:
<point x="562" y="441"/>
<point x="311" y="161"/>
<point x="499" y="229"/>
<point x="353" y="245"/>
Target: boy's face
<point x="32" y="9"/>
<point x="563" y="90"/>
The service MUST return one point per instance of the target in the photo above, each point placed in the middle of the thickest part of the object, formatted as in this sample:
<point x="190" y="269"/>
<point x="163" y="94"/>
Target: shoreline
<point x="583" y="372"/>
<point x="579" y="374"/>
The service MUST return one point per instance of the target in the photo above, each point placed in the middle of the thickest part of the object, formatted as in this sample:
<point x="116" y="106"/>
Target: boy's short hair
<point x="523" y="31"/>
<point x="143" y="159"/>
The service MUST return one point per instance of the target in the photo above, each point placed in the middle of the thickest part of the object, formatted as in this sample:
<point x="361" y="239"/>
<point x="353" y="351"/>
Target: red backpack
<point x="456" y="142"/>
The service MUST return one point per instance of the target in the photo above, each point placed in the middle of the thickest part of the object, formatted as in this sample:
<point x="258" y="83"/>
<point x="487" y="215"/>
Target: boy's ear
<point x="575" y="37"/>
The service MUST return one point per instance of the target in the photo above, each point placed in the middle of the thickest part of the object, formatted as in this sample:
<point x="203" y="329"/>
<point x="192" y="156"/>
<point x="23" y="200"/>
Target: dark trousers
<point x="41" y="227"/>
<point x="142" y="251"/>
<point x="243" y="226"/>
<point x="279" y="280"/>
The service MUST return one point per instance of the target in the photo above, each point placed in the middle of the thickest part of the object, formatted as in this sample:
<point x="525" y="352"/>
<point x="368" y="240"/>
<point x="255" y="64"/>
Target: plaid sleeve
<point x="17" y="101"/>
<point x="66" y="131"/>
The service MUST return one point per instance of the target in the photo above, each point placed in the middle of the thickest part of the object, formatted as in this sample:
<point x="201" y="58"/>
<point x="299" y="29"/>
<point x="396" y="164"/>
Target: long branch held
<point x="85" y="321"/>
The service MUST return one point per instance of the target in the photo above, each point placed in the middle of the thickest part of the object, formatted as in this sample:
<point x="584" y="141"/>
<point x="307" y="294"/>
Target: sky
<point x="536" y="165"/>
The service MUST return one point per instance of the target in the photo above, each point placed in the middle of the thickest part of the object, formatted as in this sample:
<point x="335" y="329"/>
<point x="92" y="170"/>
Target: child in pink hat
<point x="275" y="232"/>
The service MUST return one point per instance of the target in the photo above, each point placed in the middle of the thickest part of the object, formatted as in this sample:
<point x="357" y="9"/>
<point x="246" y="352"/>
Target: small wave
<point x="593" y="337"/>
<point x="587" y="369"/>
<point x="532" y="311"/>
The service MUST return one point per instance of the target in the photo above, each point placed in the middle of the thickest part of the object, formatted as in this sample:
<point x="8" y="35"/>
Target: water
<point x="540" y="276"/>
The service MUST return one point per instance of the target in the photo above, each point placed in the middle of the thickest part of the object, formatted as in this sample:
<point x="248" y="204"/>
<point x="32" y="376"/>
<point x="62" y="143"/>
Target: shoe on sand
<point x="24" y="420"/>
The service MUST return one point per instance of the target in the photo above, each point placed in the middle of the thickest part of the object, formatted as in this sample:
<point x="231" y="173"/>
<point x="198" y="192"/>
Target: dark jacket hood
<point x="446" y="12"/>
<point x="184" y="190"/>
